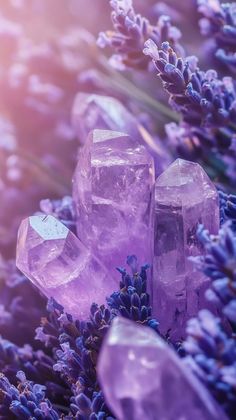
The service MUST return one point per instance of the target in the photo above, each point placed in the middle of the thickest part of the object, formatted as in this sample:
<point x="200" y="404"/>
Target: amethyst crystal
<point x="142" y="378"/>
<point x="113" y="185"/>
<point x="103" y="112"/>
<point x="184" y="197"/>
<point x="57" y="262"/>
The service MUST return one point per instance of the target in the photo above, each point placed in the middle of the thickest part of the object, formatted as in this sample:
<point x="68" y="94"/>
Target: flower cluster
<point x="210" y="343"/>
<point x="26" y="401"/>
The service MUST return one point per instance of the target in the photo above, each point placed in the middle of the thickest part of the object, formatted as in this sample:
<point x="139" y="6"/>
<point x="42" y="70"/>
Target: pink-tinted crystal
<point x="56" y="261"/>
<point x="104" y="112"/>
<point x="142" y="378"/>
<point x="113" y="185"/>
<point x="184" y="197"/>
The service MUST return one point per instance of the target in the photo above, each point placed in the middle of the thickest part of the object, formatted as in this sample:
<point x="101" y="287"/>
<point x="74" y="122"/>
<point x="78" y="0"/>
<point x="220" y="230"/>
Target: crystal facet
<point x="184" y="197"/>
<point x="56" y="261"/>
<point x="104" y="112"/>
<point x="142" y="378"/>
<point x="113" y="186"/>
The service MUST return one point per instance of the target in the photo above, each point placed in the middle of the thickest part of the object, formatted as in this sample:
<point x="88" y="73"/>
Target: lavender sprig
<point x="228" y="208"/>
<point x="210" y="344"/>
<point x="26" y="401"/>
<point x="211" y="354"/>
<point x="18" y="298"/>
<point x="132" y="300"/>
<point x="219" y="263"/>
<point x="131" y="30"/>
<point x="75" y="345"/>
<point x="199" y="96"/>
<point x="207" y="105"/>
<point x="219" y="22"/>
<point x="38" y="367"/>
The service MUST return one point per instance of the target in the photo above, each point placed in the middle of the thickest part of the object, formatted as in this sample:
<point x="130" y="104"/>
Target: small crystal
<point x="184" y="197"/>
<point x="56" y="261"/>
<point x="113" y="185"/>
<point x="101" y="112"/>
<point x="142" y="378"/>
<point x="104" y="112"/>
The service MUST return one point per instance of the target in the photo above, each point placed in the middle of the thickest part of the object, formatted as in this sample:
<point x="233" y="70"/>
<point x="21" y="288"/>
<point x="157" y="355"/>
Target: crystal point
<point x="57" y="262"/>
<point x="92" y="111"/>
<point x="142" y="378"/>
<point x="184" y="197"/>
<point x="113" y="186"/>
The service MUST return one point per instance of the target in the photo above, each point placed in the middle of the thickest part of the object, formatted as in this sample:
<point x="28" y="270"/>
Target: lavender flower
<point x="219" y="21"/>
<point x="18" y="299"/>
<point x="37" y="365"/>
<point x="132" y="300"/>
<point x="199" y="96"/>
<point x="95" y="408"/>
<point x="210" y="345"/>
<point x="207" y="104"/>
<point x="26" y="401"/>
<point x="75" y="345"/>
<point x="211" y="354"/>
<point x="131" y="30"/>
<point x="219" y="263"/>
<point x="228" y="208"/>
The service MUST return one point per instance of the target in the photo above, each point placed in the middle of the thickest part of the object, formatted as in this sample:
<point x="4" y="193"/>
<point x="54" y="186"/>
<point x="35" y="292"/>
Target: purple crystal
<point x="184" y="197"/>
<point x="142" y="378"/>
<point x="104" y="112"/>
<point x="56" y="261"/>
<point x="101" y="112"/>
<point x="113" y="185"/>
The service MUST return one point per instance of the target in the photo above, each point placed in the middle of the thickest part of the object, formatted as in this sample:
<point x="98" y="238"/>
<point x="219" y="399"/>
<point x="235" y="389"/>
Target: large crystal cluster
<point x="184" y="198"/>
<point x="120" y="211"/>
<point x="142" y="378"/>
<point x="113" y="185"/>
<point x="57" y="262"/>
